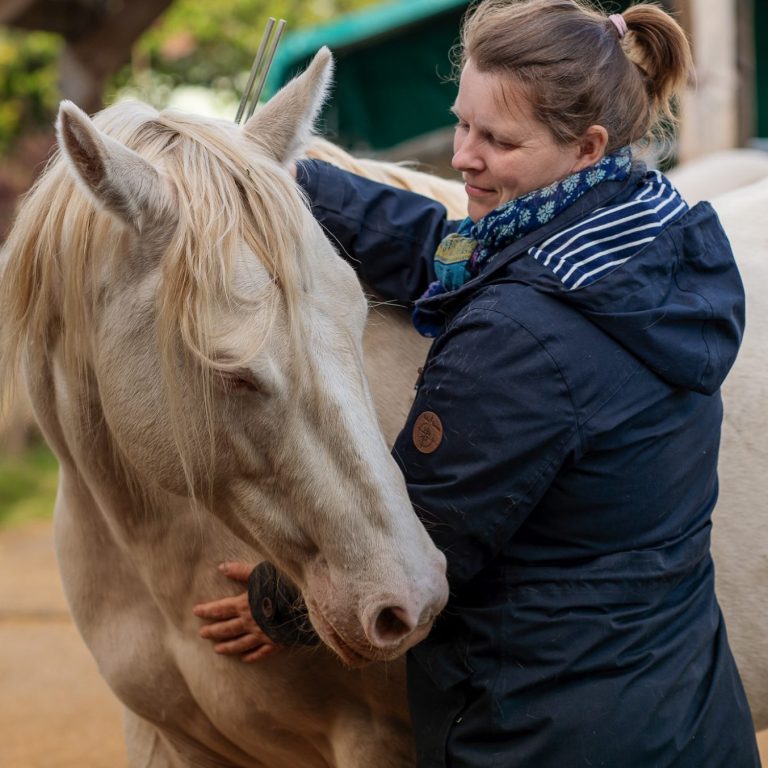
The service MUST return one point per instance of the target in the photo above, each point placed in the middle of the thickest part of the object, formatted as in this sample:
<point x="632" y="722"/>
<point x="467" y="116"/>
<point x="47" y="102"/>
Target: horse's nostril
<point x="266" y="607"/>
<point x="392" y="625"/>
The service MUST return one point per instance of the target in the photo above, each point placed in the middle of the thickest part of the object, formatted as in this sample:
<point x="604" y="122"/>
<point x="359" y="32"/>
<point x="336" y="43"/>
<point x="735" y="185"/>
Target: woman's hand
<point x="231" y="625"/>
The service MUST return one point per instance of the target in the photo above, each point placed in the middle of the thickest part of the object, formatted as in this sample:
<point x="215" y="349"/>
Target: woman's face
<point x="500" y="148"/>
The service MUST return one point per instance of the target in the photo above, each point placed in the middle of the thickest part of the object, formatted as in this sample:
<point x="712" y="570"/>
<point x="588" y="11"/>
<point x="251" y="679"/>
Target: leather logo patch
<point x="427" y="432"/>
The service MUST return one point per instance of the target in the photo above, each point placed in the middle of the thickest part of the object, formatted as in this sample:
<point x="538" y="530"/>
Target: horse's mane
<point x="61" y="241"/>
<point x="63" y="245"/>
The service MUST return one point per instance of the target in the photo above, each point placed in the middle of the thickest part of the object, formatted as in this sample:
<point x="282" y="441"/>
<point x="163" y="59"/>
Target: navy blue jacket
<point x="571" y="489"/>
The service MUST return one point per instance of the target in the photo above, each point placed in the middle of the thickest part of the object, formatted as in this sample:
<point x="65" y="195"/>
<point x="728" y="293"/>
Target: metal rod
<point x="265" y="70"/>
<point x="255" y="68"/>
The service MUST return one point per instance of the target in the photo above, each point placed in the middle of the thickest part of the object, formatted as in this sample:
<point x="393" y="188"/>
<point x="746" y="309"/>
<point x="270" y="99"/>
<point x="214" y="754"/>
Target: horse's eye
<point x="235" y="383"/>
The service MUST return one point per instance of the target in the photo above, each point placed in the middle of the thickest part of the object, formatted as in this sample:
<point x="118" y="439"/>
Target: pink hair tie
<point x="618" y="21"/>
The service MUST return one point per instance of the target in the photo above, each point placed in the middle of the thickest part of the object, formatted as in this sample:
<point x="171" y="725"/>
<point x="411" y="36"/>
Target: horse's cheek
<point x="139" y="423"/>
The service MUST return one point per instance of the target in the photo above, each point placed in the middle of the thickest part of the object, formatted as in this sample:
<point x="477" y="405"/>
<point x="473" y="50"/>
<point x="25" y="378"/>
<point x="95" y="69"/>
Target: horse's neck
<point x="394" y="352"/>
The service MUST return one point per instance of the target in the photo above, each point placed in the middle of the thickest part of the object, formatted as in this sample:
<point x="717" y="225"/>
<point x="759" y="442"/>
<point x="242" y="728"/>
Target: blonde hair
<point x="577" y="70"/>
<point x="61" y="241"/>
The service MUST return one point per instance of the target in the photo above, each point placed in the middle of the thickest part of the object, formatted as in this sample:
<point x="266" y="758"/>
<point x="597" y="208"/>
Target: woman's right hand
<point x="230" y="624"/>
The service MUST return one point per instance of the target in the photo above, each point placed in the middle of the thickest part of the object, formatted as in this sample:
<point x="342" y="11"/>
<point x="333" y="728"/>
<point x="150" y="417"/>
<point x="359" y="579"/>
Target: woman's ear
<point x="591" y="147"/>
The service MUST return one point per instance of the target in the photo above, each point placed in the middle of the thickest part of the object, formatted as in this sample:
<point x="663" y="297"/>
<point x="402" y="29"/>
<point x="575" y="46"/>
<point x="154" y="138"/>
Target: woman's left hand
<point x="231" y="626"/>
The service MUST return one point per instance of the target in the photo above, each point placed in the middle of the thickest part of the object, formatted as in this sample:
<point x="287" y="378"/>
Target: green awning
<point x="393" y="70"/>
<point x="761" y="67"/>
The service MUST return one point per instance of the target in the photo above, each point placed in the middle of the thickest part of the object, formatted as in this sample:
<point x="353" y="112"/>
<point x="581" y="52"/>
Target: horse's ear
<point x="116" y="176"/>
<point x="283" y="126"/>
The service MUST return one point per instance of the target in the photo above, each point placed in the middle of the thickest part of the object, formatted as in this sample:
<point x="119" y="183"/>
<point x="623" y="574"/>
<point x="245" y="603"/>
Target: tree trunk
<point x="88" y="61"/>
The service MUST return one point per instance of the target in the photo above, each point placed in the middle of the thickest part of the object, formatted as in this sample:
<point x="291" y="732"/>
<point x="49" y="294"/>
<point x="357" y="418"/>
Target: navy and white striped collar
<point x="592" y="248"/>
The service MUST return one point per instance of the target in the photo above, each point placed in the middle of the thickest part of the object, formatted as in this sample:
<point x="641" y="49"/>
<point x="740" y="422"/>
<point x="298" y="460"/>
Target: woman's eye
<point x="500" y="143"/>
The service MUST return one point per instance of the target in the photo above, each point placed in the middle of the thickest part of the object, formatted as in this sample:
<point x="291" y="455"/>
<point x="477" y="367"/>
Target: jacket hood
<point x="656" y="276"/>
<point x="671" y="294"/>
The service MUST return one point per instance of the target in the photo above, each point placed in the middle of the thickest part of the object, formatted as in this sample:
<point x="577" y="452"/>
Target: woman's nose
<point x="465" y="155"/>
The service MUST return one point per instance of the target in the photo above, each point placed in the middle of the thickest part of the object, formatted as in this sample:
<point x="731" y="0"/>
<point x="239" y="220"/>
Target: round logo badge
<point x="427" y="432"/>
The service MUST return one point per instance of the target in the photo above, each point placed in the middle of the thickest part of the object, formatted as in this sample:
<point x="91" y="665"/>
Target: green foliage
<point x="196" y="42"/>
<point x="200" y="43"/>
<point x="28" y="82"/>
<point x="27" y="485"/>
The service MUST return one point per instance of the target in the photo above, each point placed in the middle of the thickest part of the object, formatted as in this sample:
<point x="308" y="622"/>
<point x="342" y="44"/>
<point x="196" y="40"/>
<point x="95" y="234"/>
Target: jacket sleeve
<point x="389" y="235"/>
<point x="507" y="423"/>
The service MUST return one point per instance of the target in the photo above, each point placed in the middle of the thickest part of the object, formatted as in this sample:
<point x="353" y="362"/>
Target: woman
<point x="562" y="446"/>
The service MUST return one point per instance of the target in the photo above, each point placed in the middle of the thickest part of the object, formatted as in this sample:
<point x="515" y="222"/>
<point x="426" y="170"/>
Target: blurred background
<point x="391" y="97"/>
<point x="392" y="92"/>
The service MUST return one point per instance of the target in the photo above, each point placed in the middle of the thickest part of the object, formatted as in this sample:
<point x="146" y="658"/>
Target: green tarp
<point x="761" y="67"/>
<point x="394" y="76"/>
<point x="393" y="70"/>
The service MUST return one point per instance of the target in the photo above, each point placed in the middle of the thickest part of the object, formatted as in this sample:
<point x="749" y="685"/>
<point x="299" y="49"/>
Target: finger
<point x="236" y="570"/>
<point x="238" y="646"/>
<point x="226" y="608"/>
<point x="223" y="630"/>
<point x="233" y="629"/>
<point x="250" y="627"/>
<point x="261" y="653"/>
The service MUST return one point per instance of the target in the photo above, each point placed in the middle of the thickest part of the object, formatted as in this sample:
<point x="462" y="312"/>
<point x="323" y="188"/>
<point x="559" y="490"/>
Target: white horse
<point x="192" y="348"/>
<point x="199" y="378"/>
<point x="740" y="532"/>
<point x="709" y="176"/>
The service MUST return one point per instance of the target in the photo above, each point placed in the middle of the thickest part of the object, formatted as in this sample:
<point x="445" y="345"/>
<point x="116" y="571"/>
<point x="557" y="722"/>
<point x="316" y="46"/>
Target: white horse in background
<point x="736" y="182"/>
<point x="709" y="176"/>
<point x="192" y="348"/>
<point x="740" y="530"/>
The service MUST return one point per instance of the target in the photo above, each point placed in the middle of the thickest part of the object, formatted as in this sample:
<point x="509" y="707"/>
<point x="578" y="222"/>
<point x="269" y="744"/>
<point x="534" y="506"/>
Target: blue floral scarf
<point x="464" y="253"/>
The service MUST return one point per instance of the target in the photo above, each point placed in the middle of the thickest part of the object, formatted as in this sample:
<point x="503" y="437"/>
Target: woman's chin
<point x="476" y="210"/>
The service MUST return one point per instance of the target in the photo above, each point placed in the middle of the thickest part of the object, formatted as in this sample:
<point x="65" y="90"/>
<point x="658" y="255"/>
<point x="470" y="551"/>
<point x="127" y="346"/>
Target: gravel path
<point x="55" y="710"/>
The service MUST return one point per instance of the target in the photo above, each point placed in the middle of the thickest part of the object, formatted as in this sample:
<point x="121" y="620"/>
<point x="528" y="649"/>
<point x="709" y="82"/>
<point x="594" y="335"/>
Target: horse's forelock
<point x="243" y="198"/>
<point x="227" y="194"/>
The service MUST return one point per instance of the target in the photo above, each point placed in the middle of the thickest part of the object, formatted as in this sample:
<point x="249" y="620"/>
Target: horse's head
<point x="220" y="335"/>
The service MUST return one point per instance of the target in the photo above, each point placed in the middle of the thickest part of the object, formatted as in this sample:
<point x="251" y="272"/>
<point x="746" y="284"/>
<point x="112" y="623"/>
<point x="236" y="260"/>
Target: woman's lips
<point x="473" y="191"/>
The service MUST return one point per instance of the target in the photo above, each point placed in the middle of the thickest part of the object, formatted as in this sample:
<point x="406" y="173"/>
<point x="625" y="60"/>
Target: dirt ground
<point x="55" y="710"/>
